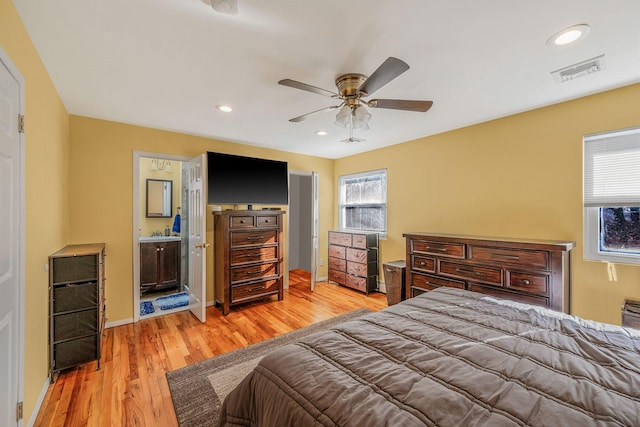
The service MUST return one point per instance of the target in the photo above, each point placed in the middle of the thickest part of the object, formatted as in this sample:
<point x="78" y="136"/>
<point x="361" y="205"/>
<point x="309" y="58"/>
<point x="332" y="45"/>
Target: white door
<point x="314" y="232"/>
<point x="197" y="226"/>
<point x="10" y="244"/>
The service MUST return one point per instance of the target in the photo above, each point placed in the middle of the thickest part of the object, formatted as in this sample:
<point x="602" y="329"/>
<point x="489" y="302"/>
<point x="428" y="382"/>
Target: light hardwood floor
<point x="131" y="388"/>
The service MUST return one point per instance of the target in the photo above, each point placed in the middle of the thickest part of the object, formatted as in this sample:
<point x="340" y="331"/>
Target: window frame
<point x="342" y="205"/>
<point x="591" y="219"/>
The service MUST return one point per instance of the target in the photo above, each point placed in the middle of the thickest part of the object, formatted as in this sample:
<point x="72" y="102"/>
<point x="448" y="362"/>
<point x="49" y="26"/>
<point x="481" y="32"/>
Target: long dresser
<point x="76" y="306"/>
<point x="353" y="260"/>
<point x="248" y="256"/>
<point x="529" y="271"/>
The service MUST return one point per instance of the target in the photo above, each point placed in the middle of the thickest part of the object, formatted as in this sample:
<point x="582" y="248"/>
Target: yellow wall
<point x="101" y="199"/>
<point x="519" y="176"/>
<point x="46" y="196"/>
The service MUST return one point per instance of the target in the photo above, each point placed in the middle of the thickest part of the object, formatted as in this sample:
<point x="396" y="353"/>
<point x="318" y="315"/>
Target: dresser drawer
<point x="362" y="269"/>
<point x="248" y="238"/>
<point x="355" y="282"/>
<point x="429" y="283"/>
<point x="500" y="256"/>
<point x="476" y="273"/>
<point x="75" y="296"/>
<point x="243" y="256"/>
<point x="365" y="240"/>
<point x="252" y="290"/>
<point x="513" y="296"/>
<point x="337" y="264"/>
<point x="242" y="274"/>
<point x="75" y="324"/>
<point x="361" y="255"/>
<point x="527" y="282"/>
<point x="337" y="238"/>
<point x="422" y="263"/>
<point x="242" y="221"/>
<point x="337" y="251"/>
<point x="268" y="221"/>
<point x="453" y="250"/>
<point x="337" y="276"/>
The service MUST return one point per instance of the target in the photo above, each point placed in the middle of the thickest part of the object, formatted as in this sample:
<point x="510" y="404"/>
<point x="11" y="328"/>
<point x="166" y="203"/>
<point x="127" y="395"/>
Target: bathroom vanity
<point x="159" y="263"/>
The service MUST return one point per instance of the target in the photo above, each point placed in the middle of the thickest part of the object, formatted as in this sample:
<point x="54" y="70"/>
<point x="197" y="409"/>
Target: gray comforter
<point x="448" y="358"/>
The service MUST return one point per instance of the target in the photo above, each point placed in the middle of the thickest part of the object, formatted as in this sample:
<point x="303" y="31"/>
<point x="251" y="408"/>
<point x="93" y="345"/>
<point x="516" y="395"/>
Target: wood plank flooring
<point x="131" y="388"/>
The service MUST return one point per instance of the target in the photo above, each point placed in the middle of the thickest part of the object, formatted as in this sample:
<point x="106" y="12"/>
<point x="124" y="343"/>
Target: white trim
<point x="591" y="250"/>
<point x="41" y="396"/>
<point x="13" y="70"/>
<point x="119" y="322"/>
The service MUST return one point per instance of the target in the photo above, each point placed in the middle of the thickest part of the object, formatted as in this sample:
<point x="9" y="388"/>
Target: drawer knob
<point x="266" y="220"/>
<point x="242" y="221"/>
<point x="526" y="282"/>
<point x="422" y="263"/>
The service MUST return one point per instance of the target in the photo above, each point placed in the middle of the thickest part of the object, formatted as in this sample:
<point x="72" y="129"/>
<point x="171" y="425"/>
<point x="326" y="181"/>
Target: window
<point x="363" y="201"/>
<point x="612" y="196"/>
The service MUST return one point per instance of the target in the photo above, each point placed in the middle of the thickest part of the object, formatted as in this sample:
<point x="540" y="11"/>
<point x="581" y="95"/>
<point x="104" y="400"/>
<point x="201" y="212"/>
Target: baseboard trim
<point x="36" y="408"/>
<point x="118" y="323"/>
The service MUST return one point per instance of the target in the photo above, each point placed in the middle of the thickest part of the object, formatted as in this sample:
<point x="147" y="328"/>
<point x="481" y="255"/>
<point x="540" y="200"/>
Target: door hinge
<point x="19" y="411"/>
<point x="21" y="123"/>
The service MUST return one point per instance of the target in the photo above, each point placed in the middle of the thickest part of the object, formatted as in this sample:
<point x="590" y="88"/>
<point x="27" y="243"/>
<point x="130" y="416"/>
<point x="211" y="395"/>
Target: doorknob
<point x="202" y="245"/>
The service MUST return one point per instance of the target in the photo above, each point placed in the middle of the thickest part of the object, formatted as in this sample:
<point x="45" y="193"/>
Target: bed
<point x="448" y="358"/>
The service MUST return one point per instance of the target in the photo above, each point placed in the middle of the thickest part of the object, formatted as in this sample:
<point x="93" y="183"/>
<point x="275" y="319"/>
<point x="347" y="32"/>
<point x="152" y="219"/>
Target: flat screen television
<point x="246" y="180"/>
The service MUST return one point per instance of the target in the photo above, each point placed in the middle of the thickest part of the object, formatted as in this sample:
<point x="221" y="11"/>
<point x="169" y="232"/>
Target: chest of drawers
<point x="77" y="306"/>
<point x="530" y="271"/>
<point x="353" y="260"/>
<point x="248" y="256"/>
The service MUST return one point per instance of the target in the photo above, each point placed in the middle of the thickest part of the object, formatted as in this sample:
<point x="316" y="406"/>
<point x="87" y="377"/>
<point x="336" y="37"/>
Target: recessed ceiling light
<point x="224" y="108"/>
<point x="321" y="132"/>
<point x="568" y="35"/>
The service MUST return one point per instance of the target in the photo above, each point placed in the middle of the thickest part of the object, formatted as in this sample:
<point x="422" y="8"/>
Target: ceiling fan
<point x="353" y="88"/>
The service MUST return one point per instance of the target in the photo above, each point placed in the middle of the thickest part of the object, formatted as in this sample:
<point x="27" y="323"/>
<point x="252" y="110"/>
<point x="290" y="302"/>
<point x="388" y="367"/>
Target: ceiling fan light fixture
<point x="343" y="118"/>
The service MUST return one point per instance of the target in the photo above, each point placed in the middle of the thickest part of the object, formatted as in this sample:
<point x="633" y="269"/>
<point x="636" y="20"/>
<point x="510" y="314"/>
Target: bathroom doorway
<point x="160" y="252"/>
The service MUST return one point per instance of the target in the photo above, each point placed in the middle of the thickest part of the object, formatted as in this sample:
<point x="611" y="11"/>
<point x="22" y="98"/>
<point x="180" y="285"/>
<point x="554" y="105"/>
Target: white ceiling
<point x="167" y="63"/>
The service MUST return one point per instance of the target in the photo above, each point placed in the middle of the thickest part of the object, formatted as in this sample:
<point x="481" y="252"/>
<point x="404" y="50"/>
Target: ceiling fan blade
<point x="389" y="70"/>
<point x="401" y="104"/>
<point x="306" y="116"/>
<point x="303" y="86"/>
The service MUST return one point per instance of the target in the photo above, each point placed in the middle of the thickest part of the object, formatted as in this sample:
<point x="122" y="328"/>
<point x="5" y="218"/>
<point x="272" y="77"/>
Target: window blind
<point x="612" y="169"/>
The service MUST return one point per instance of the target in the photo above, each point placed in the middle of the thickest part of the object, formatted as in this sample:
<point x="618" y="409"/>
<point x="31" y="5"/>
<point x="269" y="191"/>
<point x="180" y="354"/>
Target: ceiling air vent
<point x="580" y="69"/>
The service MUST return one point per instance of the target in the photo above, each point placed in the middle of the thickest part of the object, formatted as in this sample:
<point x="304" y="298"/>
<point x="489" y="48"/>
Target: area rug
<point x="146" y="307"/>
<point x="173" y="301"/>
<point x="198" y="390"/>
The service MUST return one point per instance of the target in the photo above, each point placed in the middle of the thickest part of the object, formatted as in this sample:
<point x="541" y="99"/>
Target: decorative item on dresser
<point x="530" y="271"/>
<point x="248" y="256"/>
<point x="76" y="306"/>
<point x="353" y="260"/>
<point x="160" y="264"/>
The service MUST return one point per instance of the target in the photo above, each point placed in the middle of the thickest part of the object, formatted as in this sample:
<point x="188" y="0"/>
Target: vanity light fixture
<point x="568" y="35"/>
<point x="224" y="108"/>
<point x="161" y="165"/>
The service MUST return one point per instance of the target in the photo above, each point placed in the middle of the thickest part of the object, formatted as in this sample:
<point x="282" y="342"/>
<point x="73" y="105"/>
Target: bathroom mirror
<point x="159" y="198"/>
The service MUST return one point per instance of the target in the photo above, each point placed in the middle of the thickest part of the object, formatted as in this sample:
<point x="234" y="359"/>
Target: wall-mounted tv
<point x="246" y="180"/>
